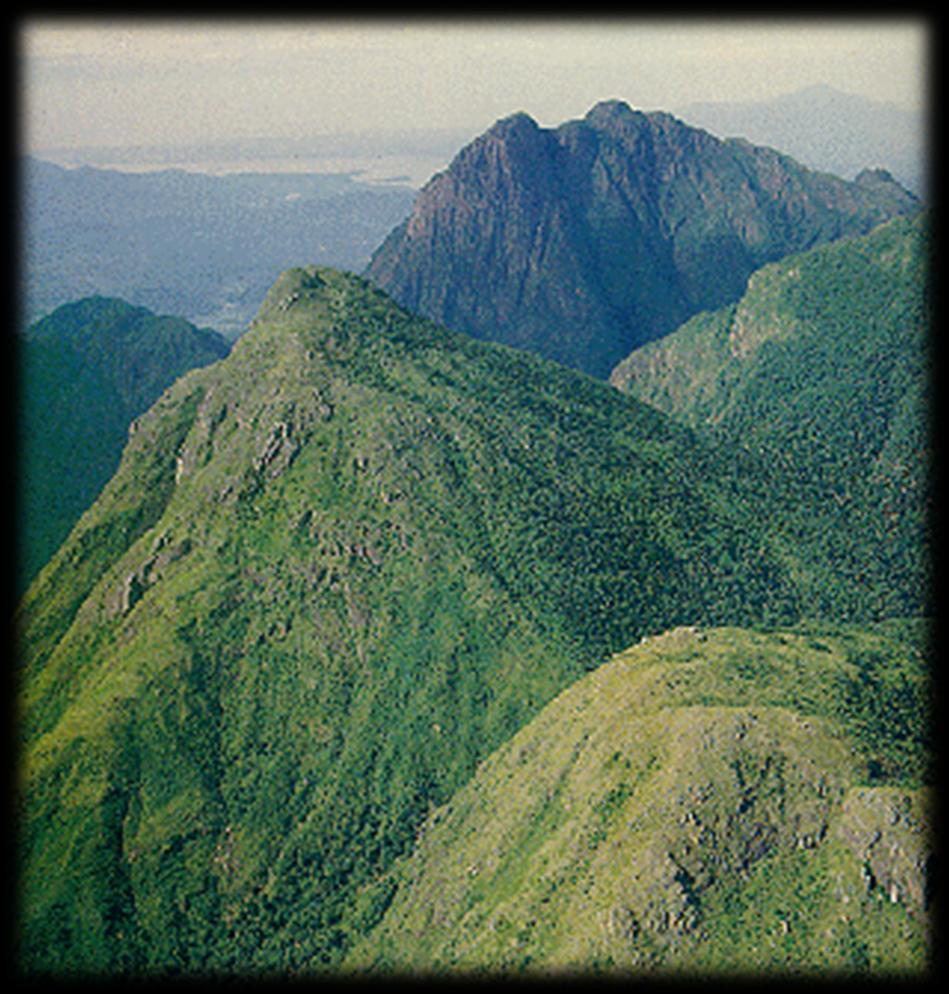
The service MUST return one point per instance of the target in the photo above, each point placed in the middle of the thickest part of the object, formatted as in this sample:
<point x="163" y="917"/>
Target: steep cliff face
<point x="493" y="240"/>
<point x="584" y="241"/>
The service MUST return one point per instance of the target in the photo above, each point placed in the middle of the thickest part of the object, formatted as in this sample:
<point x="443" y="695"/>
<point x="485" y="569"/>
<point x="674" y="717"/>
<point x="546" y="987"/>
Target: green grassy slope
<point x="85" y="372"/>
<point x="823" y="369"/>
<point x="725" y="800"/>
<point x="332" y="572"/>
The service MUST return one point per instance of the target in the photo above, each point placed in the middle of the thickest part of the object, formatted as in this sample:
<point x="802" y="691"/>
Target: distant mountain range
<point x="204" y="247"/>
<point x="83" y="374"/>
<point x="826" y="129"/>
<point x="583" y="242"/>
<point x="820" y="126"/>
<point x="377" y="156"/>
<point x="179" y="242"/>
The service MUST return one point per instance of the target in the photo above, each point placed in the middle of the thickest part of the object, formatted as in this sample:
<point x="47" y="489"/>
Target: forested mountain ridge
<point x="84" y="373"/>
<point x="824" y="367"/>
<point x="585" y="241"/>
<point x="332" y="572"/>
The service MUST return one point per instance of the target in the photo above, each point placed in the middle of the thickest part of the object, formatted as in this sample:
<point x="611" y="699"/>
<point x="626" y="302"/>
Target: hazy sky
<point x="117" y="82"/>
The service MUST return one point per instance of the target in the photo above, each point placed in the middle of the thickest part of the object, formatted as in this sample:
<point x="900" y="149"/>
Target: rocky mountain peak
<point x="517" y="124"/>
<point x="617" y="119"/>
<point x="292" y="286"/>
<point x="586" y="241"/>
<point x="515" y="144"/>
<point x="611" y="112"/>
<point x="876" y="177"/>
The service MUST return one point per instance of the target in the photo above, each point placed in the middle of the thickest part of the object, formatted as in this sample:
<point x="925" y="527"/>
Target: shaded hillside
<point x="721" y="800"/>
<point x="823" y="367"/>
<point x="332" y="572"/>
<point x="205" y="247"/>
<point x="585" y="241"/>
<point x="84" y="373"/>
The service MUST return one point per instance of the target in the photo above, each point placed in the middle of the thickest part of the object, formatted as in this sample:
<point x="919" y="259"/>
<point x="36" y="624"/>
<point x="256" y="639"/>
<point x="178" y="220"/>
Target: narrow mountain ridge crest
<point x="300" y="284"/>
<point x="520" y="122"/>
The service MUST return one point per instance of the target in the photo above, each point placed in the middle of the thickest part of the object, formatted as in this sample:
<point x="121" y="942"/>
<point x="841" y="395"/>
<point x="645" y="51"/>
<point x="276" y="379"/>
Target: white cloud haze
<point x="115" y="82"/>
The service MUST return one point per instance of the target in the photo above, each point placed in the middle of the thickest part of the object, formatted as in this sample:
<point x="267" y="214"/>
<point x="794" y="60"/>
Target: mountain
<point x="389" y="155"/>
<point x="585" y="241"/>
<point x="84" y="373"/>
<point x="828" y="130"/>
<point x="332" y="573"/>
<point x="708" y="802"/>
<point x="205" y="247"/>
<point x="823" y="367"/>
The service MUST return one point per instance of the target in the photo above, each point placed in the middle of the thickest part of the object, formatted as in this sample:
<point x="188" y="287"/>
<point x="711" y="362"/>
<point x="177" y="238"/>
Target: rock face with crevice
<point x="888" y="832"/>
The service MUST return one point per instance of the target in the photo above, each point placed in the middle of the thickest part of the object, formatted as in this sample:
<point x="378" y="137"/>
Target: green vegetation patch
<point x="706" y="802"/>
<point x="337" y="570"/>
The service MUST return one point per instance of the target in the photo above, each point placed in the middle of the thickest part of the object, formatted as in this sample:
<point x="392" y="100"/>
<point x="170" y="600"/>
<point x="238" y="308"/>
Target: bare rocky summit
<point x="584" y="241"/>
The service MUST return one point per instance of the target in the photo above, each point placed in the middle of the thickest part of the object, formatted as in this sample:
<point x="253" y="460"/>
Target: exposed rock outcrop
<point x="585" y="241"/>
